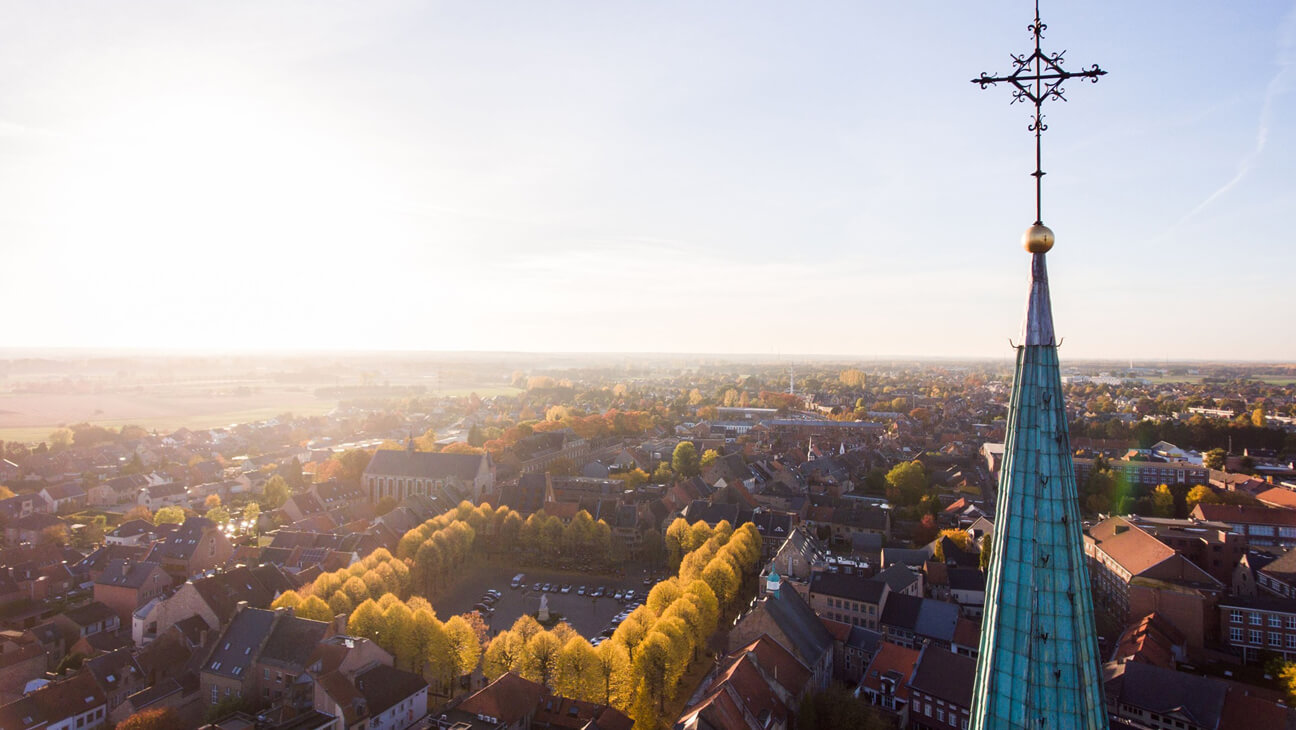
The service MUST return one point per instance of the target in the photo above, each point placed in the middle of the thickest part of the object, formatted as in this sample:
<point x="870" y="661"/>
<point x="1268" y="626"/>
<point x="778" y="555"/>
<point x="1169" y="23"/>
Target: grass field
<point x="484" y="392"/>
<point x="1268" y="379"/>
<point x="31" y="417"/>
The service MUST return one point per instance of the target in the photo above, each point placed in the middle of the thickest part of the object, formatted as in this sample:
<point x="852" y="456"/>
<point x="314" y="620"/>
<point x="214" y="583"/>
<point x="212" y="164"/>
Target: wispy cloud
<point x="1278" y="85"/>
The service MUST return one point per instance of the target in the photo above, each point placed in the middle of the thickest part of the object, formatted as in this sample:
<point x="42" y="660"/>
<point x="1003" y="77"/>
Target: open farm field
<point x="31" y="416"/>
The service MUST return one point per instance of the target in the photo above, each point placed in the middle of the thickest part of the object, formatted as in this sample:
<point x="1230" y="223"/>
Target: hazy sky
<point x="753" y="177"/>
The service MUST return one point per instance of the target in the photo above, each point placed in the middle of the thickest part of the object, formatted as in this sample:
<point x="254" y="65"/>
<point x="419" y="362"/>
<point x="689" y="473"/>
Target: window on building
<point x="1255" y="618"/>
<point x="215" y="695"/>
<point x="1291" y="641"/>
<point x="1235" y="634"/>
<point x="1275" y="621"/>
<point x="1235" y="616"/>
<point x="1256" y="636"/>
<point x="1275" y="638"/>
<point x="1291" y="622"/>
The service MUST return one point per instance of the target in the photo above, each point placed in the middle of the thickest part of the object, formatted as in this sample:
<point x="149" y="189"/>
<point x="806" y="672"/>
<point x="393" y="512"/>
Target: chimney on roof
<point x="337" y="626"/>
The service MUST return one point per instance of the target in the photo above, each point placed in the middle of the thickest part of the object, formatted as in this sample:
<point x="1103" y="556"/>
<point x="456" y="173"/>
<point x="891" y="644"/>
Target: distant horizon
<point x="21" y="353"/>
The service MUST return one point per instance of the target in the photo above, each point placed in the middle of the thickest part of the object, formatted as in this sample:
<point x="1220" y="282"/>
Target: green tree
<point x="367" y="621"/>
<point x="539" y="658"/>
<point x="316" y="609"/>
<point x="709" y="457"/>
<point x="906" y="482"/>
<point x="464" y="649"/>
<point x="354" y="462"/>
<point x="169" y="516"/>
<point x="676" y="537"/>
<point x="685" y="460"/>
<point x="1214" y="459"/>
<point x="663" y="474"/>
<point x="275" y="494"/>
<point x="59" y="439"/>
<point x="1162" y="501"/>
<point x="575" y="671"/>
<point x="502" y="654"/>
<point x="1201" y="494"/>
<point x="612" y="672"/>
<point x="1287" y="680"/>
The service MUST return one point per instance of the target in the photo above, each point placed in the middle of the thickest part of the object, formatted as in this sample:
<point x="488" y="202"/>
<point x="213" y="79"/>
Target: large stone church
<point x="401" y="473"/>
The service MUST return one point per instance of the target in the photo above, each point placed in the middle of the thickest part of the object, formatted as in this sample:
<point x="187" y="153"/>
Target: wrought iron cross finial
<point x="1037" y="78"/>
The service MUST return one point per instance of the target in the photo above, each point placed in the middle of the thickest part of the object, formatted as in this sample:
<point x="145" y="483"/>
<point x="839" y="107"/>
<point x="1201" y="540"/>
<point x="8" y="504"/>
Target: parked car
<point x="483" y="609"/>
<point x="629" y="595"/>
<point x="537" y="587"/>
<point x="599" y="592"/>
<point x="519" y="580"/>
<point x="580" y="591"/>
<point x="495" y="593"/>
<point x="489" y="600"/>
<point x="566" y="588"/>
<point x="618" y="595"/>
<point x="547" y="587"/>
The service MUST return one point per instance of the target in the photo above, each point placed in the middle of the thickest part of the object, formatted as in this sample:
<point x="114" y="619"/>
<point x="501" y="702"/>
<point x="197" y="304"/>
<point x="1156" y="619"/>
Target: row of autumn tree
<point x="438" y="547"/>
<point x="341" y="591"/>
<point x="638" y="670"/>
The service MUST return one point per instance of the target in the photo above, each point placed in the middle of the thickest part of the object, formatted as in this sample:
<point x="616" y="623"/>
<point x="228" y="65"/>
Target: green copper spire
<point x="1038" y="663"/>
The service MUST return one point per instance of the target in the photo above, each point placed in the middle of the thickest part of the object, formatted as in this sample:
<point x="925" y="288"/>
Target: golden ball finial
<point x="1038" y="238"/>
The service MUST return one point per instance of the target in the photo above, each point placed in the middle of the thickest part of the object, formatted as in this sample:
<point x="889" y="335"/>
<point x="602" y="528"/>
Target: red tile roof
<point x="508" y="699"/>
<point x="1245" y="514"/>
<point x="1129" y="545"/>
<point x="891" y="658"/>
<point x="1278" y="497"/>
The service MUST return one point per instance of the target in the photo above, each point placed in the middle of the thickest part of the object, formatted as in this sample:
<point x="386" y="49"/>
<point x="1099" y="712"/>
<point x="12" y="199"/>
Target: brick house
<point x="72" y="704"/>
<point x="196" y="546"/>
<point x="1259" y="526"/>
<point x="759" y="686"/>
<point x="785" y="617"/>
<point x="850" y="598"/>
<point x="117" y="675"/>
<point x="88" y="620"/>
<point x="125" y="586"/>
<point x="213" y="599"/>
<point x="940" y="690"/>
<point x="63" y="498"/>
<point x="1134" y="573"/>
<point x="1257" y="624"/>
<point x="22" y="659"/>
<point x="260" y="655"/>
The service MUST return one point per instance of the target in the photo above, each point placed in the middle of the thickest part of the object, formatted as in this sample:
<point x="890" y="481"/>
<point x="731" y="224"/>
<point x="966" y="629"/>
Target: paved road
<point x="588" y="616"/>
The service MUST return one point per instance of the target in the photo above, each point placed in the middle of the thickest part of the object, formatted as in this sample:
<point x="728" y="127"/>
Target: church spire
<point x="1038" y="665"/>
